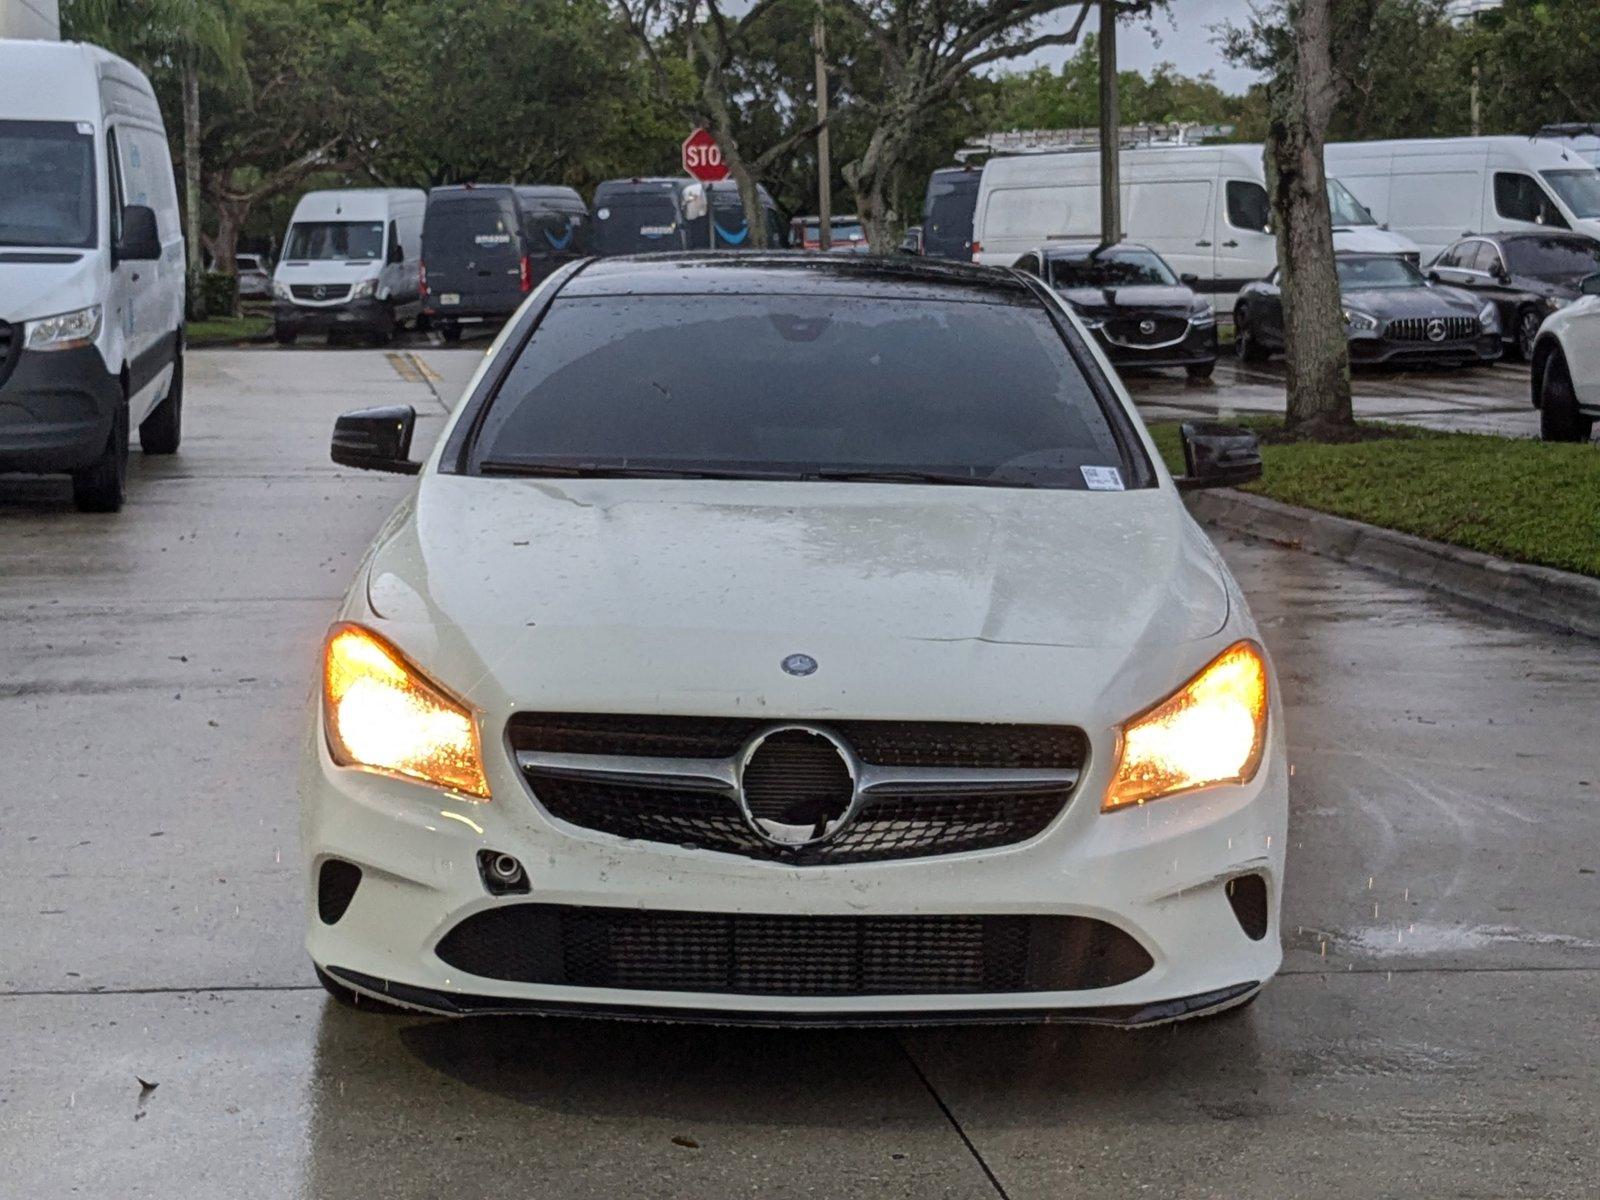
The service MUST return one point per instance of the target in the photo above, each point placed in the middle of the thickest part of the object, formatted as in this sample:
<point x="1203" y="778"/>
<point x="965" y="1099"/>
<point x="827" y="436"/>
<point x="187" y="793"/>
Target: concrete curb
<point x="1556" y="598"/>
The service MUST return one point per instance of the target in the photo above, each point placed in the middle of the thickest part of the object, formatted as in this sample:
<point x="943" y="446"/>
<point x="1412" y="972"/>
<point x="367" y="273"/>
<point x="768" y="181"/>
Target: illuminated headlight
<point x="1489" y="318"/>
<point x="1358" y="321"/>
<point x="367" y="287"/>
<point x="381" y="714"/>
<point x="1212" y="730"/>
<point x="65" y="331"/>
<point x="281" y="290"/>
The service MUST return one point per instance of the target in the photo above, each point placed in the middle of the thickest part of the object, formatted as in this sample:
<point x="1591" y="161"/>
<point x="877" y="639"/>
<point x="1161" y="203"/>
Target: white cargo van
<point x="1435" y="190"/>
<point x="91" y="269"/>
<point x="1202" y="208"/>
<point x="351" y="263"/>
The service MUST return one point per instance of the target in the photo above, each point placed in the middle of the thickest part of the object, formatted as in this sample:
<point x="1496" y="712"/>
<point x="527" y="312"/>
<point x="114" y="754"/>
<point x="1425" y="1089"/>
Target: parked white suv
<point x="1566" y="368"/>
<point x="91" y="269"/>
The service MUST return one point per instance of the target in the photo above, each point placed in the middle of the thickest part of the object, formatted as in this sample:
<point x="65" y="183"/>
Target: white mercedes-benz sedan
<point x="802" y="640"/>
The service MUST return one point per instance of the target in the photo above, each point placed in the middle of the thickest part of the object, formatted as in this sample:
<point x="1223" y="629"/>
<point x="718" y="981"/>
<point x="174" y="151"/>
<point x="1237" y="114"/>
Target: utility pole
<point x="824" y="162"/>
<point x="1477" y="107"/>
<point x="1110" y="123"/>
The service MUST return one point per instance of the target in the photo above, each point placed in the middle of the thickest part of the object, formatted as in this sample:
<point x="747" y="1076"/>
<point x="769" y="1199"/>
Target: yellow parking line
<point x="405" y="366"/>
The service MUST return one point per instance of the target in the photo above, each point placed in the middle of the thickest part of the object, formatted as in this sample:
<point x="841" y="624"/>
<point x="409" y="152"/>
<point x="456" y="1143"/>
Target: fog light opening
<point x="1247" y="896"/>
<point x="502" y="874"/>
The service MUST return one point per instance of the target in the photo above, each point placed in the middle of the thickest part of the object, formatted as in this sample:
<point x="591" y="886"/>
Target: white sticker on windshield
<point x="1102" y="479"/>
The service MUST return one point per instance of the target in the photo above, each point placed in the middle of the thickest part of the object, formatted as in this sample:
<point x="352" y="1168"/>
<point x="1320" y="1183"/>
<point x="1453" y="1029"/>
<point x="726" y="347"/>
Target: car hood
<point x="40" y="288"/>
<point x="654" y="595"/>
<point x="1412" y="302"/>
<point x="1371" y="239"/>
<point x="1093" y="301"/>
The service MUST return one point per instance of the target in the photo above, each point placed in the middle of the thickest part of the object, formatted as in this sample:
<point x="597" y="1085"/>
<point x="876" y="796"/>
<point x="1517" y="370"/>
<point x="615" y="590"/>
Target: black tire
<point x="162" y="430"/>
<point x="350" y="998"/>
<point x="1559" y="418"/>
<point x="1245" y="344"/>
<point x="285" y="337"/>
<point x="1528" y="322"/>
<point x="102" y="486"/>
<point x="1198" y="371"/>
<point x="450" y="333"/>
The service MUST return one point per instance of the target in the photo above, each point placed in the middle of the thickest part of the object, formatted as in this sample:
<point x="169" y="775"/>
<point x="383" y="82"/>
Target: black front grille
<point x="1432" y="329"/>
<point x="319" y="291"/>
<point x="1130" y="330"/>
<point x="10" y="348"/>
<point x="883" y="828"/>
<point x="783" y="955"/>
<point x="884" y="743"/>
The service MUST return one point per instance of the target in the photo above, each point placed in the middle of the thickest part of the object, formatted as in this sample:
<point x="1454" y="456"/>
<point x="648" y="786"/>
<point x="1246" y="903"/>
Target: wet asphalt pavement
<point x="1434" y="1032"/>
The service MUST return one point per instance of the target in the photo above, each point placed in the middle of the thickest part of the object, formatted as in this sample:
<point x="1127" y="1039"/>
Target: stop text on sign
<point x="702" y="157"/>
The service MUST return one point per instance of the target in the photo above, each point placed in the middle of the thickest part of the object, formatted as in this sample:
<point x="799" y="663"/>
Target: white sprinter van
<point x="1202" y="208"/>
<point x="91" y="269"/>
<point x="1434" y="190"/>
<point x="351" y="264"/>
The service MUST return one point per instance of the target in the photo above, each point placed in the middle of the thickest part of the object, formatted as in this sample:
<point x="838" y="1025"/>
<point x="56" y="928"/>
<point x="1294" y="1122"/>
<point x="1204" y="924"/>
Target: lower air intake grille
<point x="336" y="887"/>
<point x="767" y="955"/>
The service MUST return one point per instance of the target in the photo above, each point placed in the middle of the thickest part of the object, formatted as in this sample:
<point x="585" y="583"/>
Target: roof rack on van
<point x="1054" y="141"/>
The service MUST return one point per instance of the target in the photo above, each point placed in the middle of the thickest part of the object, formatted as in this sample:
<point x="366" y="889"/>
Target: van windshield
<point x="360" y="240"/>
<point x="947" y="215"/>
<point x="1579" y="188"/>
<point x="637" y="224"/>
<point x="47" y="184"/>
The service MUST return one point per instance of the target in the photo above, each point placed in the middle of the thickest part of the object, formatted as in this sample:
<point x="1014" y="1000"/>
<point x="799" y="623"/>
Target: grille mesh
<point x="1415" y="329"/>
<point x="330" y="291"/>
<point x="1126" y="330"/>
<point x="784" y="955"/>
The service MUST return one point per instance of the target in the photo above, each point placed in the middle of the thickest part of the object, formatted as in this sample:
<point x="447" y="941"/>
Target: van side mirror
<point x="140" y="241"/>
<point x="1589" y="285"/>
<point x="1189" y="279"/>
<point x="1217" y="456"/>
<point x="376" y="439"/>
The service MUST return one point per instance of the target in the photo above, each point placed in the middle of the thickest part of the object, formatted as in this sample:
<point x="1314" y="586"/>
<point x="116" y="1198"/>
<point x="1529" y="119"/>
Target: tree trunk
<point x="191" y="185"/>
<point x="232" y="213"/>
<point x="1318" y="404"/>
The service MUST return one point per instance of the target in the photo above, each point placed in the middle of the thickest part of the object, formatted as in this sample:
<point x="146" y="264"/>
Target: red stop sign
<point x="702" y="157"/>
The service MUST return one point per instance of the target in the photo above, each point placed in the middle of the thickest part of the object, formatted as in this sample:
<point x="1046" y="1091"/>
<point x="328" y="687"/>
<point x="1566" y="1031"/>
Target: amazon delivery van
<point x="1434" y="190"/>
<point x="1202" y="208"/>
<point x="91" y="269"/>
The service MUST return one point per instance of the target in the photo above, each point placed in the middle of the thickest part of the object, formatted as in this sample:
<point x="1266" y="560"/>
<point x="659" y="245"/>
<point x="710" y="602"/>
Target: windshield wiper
<point x="900" y="475"/>
<point x="501" y="466"/>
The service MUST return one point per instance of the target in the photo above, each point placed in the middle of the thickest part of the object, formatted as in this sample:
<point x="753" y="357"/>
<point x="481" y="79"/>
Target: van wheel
<point x="450" y="333"/>
<point x="1528" y="323"/>
<point x="101" y="486"/>
<point x="1559" y="418"/>
<point x="162" y="430"/>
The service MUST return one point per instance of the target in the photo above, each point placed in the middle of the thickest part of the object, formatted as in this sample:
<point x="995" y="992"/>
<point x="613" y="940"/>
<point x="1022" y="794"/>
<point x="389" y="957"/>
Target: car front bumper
<point x="56" y="410"/>
<point x="1373" y="348"/>
<point x="1196" y="348"/>
<point x="367" y="315"/>
<point x="1159" y="874"/>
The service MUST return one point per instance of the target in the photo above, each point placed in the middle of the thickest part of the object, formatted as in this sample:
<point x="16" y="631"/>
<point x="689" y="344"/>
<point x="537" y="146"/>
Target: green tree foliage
<point x="1539" y="61"/>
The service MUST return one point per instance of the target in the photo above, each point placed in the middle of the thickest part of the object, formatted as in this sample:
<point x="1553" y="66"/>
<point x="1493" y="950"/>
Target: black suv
<point x="1527" y="275"/>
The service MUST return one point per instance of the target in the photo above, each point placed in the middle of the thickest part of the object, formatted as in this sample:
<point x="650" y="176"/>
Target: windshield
<point x="1579" y="189"/>
<point x="360" y="240"/>
<point x="800" y="387"/>
<point x="947" y="215"/>
<point x="1552" y="258"/>
<point x="637" y="224"/>
<point x="1111" y="268"/>
<point x="1356" y="274"/>
<point x="47" y="184"/>
<point x="838" y="231"/>
<point x="1346" y="209"/>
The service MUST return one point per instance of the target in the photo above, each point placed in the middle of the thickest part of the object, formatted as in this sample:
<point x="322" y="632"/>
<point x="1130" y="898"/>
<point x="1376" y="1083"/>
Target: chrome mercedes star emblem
<point x="1147" y="326"/>
<point x="1436" y="330"/>
<point x="794" y="817"/>
<point x="799" y="664"/>
<point x="319" y="292"/>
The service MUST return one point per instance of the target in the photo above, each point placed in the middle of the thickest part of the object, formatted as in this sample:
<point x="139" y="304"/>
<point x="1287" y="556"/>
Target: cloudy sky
<point x="1183" y="37"/>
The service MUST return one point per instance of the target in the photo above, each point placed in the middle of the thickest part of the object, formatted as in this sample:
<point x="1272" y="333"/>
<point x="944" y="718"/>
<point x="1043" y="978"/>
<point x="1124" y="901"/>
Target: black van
<point x="947" y="212"/>
<point x="486" y="246"/>
<point x="644" y="216"/>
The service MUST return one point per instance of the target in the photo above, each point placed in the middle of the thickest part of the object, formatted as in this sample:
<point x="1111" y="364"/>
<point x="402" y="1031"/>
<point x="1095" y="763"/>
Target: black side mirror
<point x="376" y="439"/>
<point x="1434" y="276"/>
<point x="140" y="242"/>
<point x="1589" y="285"/>
<point x="1189" y="280"/>
<point x="1217" y="456"/>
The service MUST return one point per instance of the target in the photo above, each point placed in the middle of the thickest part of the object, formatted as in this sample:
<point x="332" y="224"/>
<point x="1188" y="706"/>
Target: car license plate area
<point x="449" y="297"/>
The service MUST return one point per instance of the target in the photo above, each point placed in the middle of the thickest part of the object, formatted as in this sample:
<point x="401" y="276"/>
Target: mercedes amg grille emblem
<point x="797" y="785"/>
<point x="799" y="664"/>
<point x="1436" y="330"/>
<point x="1147" y="327"/>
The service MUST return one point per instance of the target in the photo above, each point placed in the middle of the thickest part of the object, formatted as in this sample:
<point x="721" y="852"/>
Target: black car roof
<point x="796" y="273"/>
<point x="644" y="183"/>
<point x="1523" y="235"/>
<point x="1085" y="248"/>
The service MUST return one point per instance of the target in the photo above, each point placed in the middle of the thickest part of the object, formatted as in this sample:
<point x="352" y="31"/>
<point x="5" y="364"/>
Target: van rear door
<point x="472" y="251"/>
